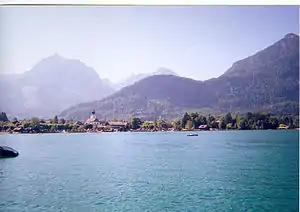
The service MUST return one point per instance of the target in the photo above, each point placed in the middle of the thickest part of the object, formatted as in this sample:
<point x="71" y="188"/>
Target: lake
<point x="164" y="171"/>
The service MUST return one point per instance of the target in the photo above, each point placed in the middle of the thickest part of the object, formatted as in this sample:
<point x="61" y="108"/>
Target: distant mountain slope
<point x="108" y="83"/>
<point x="137" y="77"/>
<point x="52" y="85"/>
<point x="268" y="80"/>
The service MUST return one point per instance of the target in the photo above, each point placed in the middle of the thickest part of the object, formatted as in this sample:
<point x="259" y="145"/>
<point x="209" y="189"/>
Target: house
<point x="203" y="127"/>
<point x="118" y="124"/>
<point x="93" y="121"/>
<point x="18" y="129"/>
<point x="283" y="127"/>
<point x="49" y="121"/>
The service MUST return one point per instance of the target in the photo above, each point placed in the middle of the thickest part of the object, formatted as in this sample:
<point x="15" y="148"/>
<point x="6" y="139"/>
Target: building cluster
<point x="98" y="125"/>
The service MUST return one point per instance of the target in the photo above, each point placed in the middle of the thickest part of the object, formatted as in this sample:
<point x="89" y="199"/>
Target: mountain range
<point x="53" y="84"/>
<point x="137" y="77"/>
<point x="266" y="81"/>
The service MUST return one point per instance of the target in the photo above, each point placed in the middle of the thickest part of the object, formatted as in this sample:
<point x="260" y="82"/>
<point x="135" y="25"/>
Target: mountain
<point x="108" y="83"/>
<point x="267" y="80"/>
<point x="137" y="77"/>
<point x="53" y="84"/>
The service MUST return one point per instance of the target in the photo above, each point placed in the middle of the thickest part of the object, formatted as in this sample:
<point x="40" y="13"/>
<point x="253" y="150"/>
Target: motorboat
<point x="192" y="134"/>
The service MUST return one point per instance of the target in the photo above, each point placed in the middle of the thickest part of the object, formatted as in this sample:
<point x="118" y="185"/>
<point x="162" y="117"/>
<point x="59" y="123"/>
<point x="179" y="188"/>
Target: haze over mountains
<point x="53" y="84"/>
<point x="268" y="81"/>
<point x="137" y="77"/>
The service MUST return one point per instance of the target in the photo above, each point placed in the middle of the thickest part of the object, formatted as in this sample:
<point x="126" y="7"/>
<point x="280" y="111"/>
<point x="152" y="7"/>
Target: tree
<point x="222" y="124"/>
<point x="14" y="120"/>
<point x="62" y="121"/>
<point x="35" y="120"/>
<point x="273" y="122"/>
<point x="296" y="121"/>
<point x="194" y="116"/>
<point x="243" y="125"/>
<point x="211" y="122"/>
<point x="154" y="122"/>
<point x="291" y="122"/>
<point x="135" y="123"/>
<point x="184" y="120"/>
<point x="145" y="125"/>
<point x="189" y="125"/>
<point x="229" y="126"/>
<point x="237" y="120"/>
<point x="228" y="118"/>
<point x="88" y="126"/>
<point x="248" y="116"/>
<point x="177" y="125"/>
<point x="3" y="117"/>
<point x="200" y="120"/>
<point x="55" y="120"/>
<point x="163" y="124"/>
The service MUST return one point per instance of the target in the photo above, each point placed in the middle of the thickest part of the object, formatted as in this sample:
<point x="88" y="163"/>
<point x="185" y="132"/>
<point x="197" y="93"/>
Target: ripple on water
<point x="219" y="171"/>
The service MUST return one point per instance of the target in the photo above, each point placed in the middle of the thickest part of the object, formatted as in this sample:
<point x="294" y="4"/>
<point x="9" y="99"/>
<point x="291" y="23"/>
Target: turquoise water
<point x="216" y="171"/>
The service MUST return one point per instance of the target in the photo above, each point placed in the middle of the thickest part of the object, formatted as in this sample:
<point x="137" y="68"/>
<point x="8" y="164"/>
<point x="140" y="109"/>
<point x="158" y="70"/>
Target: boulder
<point x="6" y="152"/>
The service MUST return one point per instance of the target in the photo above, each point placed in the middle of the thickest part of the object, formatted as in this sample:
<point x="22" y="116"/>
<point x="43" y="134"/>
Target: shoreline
<point x="143" y="131"/>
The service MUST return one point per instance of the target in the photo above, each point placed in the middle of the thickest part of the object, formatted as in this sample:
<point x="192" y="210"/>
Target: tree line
<point x="189" y="121"/>
<point x="247" y="121"/>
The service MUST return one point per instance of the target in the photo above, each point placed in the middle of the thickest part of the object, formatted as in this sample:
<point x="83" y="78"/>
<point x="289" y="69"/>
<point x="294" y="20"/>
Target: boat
<point x="192" y="134"/>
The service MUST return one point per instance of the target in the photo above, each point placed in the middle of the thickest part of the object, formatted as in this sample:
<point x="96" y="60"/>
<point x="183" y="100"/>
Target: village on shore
<point x="189" y="122"/>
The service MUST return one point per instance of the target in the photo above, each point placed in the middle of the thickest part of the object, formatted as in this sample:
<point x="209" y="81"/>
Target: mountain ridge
<point x="137" y="77"/>
<point x="267" y="80"/>
<point x="54" y="80"/>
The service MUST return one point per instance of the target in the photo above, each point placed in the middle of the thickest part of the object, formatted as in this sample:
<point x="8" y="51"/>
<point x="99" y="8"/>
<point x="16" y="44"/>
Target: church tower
<point x="93" y="115"/>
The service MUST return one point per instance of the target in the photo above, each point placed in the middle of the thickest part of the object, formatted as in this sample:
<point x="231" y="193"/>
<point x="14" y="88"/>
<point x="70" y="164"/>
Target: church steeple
<point x="93" y="115"/>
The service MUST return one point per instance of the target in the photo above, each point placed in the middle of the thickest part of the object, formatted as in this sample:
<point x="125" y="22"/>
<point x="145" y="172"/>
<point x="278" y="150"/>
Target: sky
<point x="199" y="42"/>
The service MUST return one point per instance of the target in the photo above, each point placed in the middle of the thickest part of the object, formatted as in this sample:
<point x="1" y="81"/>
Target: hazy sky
<point x="195" y="41"/>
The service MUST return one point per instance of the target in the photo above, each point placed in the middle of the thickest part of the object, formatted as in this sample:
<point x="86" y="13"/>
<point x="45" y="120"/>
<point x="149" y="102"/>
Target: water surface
<point x="216" y="171"/>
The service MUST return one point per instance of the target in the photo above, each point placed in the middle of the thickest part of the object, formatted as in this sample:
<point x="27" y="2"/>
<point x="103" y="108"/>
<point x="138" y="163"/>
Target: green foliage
<point x="14" y="120"/>
<point x="242" y="121"/>
<point x="55" y="120"/>
<point x="154" y="122"/>
<point x="135" y="123"/>
<point x="184" y="120"/>
<point x="243" y="125"/>
<point x="228" y="118"/>
<point x="199" y="120"/>
<point x="222" y="124"/>
<point x="189" y="125"/>
<point x="3" y="117"/>
<point x="212" y="121"/>
<point x="62" y="121"/>
<point x="177" y="125"/>
<point x="163" y="124"/>
<point x="267" y="81"/>
<point x="88" y="126"/>
<point x="35" y="120"/>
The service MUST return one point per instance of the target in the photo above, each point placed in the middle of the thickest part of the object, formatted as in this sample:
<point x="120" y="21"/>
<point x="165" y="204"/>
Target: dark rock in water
<point x="6" y="152"/>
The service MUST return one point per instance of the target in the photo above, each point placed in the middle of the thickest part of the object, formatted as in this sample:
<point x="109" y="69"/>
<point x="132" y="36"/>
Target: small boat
<point x="192" y="134"/>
